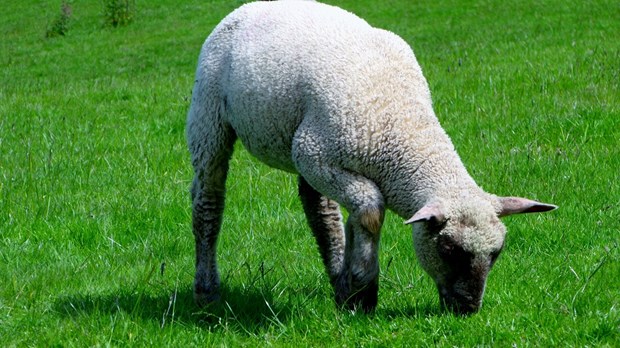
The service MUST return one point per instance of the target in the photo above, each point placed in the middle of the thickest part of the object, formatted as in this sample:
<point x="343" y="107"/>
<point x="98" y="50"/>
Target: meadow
<point x="96" y="246"/>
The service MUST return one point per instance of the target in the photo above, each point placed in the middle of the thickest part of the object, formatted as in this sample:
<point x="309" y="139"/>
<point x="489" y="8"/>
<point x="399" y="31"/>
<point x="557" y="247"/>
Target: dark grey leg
<point x="207" y="209"/>
<point x="325" y="221"/>
<point x="211" y="152"/>
<point x="357" y="286"/>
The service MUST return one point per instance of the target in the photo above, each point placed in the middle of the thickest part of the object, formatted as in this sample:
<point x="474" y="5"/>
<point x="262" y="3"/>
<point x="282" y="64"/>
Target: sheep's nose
<point x="467" y="309"/>
<point x="461" y="308"/>
<point x="459" y="305"/>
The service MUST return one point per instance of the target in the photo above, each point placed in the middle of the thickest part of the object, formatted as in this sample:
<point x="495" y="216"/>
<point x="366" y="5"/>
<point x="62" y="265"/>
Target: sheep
<point x="314" y="90"/>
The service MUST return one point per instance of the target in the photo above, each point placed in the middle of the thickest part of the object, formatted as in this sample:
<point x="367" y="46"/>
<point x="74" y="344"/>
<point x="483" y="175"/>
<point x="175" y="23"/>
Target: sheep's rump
<point x="269" y="65"/>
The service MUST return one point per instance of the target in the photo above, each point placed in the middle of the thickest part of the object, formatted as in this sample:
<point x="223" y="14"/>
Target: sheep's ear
<point x="427" y="213"/>
<point x="517" y="205"/>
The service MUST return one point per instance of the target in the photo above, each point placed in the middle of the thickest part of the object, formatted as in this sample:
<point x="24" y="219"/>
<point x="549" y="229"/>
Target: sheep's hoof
<point x="205" y="296"/>
<point x="364" y="299"/>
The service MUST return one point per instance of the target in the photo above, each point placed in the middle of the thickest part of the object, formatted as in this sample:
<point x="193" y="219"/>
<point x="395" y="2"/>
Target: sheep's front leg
<point x="357" y="283"/>
<point x="325" y="220"/>
<point x="356" y="277"/>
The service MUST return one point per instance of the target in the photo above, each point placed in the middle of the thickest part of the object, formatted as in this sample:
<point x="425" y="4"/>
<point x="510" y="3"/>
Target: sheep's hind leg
<point x="325" y="220"/>
<point x="208" y="195"/>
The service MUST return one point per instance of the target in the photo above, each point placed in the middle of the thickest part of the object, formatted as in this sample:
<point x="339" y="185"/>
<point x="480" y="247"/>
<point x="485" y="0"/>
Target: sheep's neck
<point x="429" y="168"/>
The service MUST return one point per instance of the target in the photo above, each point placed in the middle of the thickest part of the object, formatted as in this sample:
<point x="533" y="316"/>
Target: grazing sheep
<point x="314" y="90"/>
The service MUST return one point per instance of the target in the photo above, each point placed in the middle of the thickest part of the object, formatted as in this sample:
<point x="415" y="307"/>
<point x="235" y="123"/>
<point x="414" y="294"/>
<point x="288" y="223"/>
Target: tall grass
<point x="95" y="238"/>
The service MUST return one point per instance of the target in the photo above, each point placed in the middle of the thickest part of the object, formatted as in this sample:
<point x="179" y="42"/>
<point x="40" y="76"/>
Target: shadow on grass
<point x="242" y="310"/>
<point x="247" y="311"/>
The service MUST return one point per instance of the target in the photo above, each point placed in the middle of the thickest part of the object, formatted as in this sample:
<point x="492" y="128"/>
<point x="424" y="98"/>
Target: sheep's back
<point x="289" y="60"/>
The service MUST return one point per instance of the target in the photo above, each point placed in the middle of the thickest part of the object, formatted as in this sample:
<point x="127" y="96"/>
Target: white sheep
<point x="314" y="90"/>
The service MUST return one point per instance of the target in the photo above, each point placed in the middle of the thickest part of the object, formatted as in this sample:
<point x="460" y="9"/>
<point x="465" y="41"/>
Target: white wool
<point x="277" y="64"/>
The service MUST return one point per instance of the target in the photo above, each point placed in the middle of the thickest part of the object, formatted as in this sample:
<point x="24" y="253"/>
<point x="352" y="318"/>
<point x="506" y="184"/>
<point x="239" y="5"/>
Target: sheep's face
<point x="457" y="249"/>
<point x="458" y="245"/>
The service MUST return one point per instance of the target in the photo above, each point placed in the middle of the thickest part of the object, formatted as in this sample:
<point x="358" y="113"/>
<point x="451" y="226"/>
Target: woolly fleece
<point x="314" y="90"/>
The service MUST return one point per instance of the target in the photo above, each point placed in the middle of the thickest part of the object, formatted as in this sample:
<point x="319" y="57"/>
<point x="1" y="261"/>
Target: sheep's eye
<point x="445" y="246"/>
<point x="447" y="249"/>
<point x="450" y="251"/>
<point x="435" y="226"/>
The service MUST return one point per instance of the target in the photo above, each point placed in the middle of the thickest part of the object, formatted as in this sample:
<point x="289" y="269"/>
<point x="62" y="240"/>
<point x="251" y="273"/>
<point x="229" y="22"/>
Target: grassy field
<point x="95" y="240"/>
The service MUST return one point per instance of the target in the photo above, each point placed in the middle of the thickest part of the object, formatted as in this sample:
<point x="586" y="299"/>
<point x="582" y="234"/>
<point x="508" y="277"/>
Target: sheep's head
<point x="457" y="244"/>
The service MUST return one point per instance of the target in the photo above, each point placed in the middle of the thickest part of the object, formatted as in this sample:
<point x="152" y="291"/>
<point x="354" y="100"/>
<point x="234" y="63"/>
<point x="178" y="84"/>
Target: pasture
<point x="96" y="246"/>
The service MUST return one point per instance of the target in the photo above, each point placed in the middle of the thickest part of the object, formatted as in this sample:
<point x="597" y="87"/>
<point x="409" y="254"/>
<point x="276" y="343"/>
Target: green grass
<point x="94" y="177"/>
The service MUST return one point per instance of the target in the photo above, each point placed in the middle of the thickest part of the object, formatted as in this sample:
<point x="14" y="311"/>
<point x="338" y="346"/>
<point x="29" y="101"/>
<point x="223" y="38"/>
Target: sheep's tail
<point x="209" y="92"/>
<point x="206" y="118"/>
